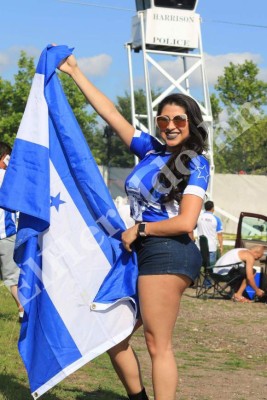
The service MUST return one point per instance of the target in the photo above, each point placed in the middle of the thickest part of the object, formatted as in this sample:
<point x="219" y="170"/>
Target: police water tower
<point x="169" y="29"/>
<point x="169" y="24"/>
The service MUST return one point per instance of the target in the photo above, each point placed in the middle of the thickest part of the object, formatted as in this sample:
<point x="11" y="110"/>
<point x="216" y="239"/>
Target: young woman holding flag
<point x="166" y="191"/>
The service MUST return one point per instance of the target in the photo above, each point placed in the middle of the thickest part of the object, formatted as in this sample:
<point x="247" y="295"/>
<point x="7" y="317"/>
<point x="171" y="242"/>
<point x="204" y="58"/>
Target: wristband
<point x="142" y="229"/>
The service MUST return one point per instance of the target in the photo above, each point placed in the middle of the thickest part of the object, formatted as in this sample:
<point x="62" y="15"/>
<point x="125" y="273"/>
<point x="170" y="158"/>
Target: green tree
<point x="13" y="98"/>
<point x="215" y="107"/>
<point x="111" y="150"/>
<point x="239" y="141"/>
<point x="243" y="150"/>
<point x="9" y="121"/>
<point x="239" y="85"/>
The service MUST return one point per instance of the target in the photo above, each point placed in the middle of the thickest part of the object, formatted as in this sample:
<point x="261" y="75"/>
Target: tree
<point x="240" y="85"/>
<point x="244" y="150"/>
<point x="13" y="98"/>
<point x="120" y="155"/>
<point x="238" y="142"/>
<point x="215" y="107"/>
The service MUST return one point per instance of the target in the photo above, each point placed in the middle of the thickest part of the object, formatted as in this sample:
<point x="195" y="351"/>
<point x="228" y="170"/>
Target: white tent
<point x="235" y="193"/>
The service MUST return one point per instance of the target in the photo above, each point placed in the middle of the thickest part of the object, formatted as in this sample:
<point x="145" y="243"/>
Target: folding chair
<point x="210" y="284"/>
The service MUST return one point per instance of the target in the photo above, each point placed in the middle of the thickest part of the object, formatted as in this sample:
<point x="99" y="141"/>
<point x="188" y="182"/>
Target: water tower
<point x="169" y="28"/>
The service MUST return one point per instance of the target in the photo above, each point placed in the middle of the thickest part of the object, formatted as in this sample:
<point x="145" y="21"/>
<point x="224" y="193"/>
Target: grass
<point x="215" y="338"/>
<point x="229" y="236"/>
<point x="96" y="380"/>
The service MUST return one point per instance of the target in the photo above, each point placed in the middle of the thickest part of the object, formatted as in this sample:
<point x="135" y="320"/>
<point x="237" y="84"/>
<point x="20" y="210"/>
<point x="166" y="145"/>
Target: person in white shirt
<point x="211" y="226"/>
<point x="245" y="271"/>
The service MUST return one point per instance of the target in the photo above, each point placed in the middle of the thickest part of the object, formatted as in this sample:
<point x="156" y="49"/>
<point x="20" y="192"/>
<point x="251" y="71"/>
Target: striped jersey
<point x="146" y="195"/>
<point x="7" y="219"/>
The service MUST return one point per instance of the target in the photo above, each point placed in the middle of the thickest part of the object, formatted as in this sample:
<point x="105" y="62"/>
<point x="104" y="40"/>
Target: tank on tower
<point x="169" y="25"/>
<point x="175" y="4"/>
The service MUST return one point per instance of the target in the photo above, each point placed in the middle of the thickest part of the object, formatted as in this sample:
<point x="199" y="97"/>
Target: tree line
<point x="240" y="141"/>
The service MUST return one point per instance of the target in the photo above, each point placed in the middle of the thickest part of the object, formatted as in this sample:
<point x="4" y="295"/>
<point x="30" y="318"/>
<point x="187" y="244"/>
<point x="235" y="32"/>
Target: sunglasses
<point x="179" y="121"/>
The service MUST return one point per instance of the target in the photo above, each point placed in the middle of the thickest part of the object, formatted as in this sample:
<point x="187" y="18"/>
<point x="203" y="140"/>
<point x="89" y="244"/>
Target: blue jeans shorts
<point x="213" y="257"/>
<point x="168" y="255"/>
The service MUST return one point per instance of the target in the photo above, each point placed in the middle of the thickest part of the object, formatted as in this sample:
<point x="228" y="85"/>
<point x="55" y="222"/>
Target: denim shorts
<point x="168" y="255"/>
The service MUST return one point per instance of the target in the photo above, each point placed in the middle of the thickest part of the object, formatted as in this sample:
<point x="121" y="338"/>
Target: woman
<point x="166" y="191"/>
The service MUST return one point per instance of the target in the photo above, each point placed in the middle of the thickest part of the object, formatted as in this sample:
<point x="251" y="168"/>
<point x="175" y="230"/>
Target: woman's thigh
<point x="159" y="297"/>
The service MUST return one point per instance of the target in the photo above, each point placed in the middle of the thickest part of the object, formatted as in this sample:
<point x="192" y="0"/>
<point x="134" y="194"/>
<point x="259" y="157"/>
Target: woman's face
<point x="173" y="135"/>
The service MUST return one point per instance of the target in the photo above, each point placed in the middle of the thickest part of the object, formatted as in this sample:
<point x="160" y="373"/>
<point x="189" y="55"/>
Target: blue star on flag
<point x="203" y="173"/>
<point x="55" y="201"/>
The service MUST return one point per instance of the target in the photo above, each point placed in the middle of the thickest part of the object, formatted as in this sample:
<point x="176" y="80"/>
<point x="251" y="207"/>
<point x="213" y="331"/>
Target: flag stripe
<point x="77" y="282"/>
<point x="34" y="123"/>
<point x="41" y="330"/>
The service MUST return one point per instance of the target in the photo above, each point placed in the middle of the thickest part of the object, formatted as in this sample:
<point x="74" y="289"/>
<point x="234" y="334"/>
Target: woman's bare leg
<point x="126" y="365"/>
<point x="160" y="297"/>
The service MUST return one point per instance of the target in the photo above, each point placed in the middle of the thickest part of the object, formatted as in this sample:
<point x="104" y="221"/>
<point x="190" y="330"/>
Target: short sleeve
<point x="219" y="227"/>
<point x="199" y="176"/>
<point x="143" y="143"/>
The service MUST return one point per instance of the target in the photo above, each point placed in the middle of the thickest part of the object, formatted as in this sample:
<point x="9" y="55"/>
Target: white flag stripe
<point x="82" y="361"/>
<point x="34" y="123"/>
<point x="72" y="278"/>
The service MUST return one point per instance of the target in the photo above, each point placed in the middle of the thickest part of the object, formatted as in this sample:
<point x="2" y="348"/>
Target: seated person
<point x="245" y="271"/>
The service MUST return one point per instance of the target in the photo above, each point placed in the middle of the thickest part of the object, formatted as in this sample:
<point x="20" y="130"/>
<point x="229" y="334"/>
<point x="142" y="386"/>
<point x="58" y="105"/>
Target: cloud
<point x="214" y="66"/>
<point x="4" y="61"/>
<point x="95" y="66"/>
<point x="9" y="58"/>
<point x="263" y="74"/>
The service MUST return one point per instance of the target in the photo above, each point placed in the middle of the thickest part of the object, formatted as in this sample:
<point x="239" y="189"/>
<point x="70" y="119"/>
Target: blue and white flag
<point x="77" y="283"/>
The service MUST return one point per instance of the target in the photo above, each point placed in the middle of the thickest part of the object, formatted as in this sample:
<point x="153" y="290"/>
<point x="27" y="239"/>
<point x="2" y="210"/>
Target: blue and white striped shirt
<point x="7" y="219"/>
<point x="145" y="193"/>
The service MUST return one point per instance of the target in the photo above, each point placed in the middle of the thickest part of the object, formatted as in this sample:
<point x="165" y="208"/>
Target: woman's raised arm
<point x="102" y="105"/>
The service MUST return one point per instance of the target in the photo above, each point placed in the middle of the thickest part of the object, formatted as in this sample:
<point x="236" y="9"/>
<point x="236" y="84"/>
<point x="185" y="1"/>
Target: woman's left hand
<point x="129" y="236"/>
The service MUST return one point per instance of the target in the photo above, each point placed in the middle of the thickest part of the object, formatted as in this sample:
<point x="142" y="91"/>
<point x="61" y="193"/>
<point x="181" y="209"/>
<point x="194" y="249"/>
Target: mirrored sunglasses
<point x="163" y="121"/>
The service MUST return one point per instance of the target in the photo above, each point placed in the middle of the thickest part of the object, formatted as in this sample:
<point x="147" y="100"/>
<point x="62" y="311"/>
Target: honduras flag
<point x="77" y="283"/>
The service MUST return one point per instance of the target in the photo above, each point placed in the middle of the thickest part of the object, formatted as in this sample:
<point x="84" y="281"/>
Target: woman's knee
<point x="122" y="346"/>
<point x="159" y="346"/>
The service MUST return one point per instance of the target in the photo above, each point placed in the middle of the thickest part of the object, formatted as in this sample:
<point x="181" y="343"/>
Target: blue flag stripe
<point x="68" y="243"/>
<point x="49" y="359"/>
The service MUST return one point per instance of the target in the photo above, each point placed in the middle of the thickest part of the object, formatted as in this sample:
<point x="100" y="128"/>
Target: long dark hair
<point x="193" y="145"/>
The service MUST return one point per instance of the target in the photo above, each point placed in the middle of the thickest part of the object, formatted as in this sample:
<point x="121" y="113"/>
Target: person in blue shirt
<point x="8" y="229"/>
<point x="166" y="191"/>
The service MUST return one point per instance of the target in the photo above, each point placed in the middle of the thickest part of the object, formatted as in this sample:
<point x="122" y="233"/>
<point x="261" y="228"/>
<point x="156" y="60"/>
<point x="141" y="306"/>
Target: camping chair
<point x="210" y="284"/>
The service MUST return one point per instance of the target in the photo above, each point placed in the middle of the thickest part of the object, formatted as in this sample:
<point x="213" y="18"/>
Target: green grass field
<point x="220" y="346"/>
<point x="96" y="380"/>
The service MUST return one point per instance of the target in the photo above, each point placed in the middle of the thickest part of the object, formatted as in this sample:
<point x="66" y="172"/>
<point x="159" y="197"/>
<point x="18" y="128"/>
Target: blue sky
<point x="99" y="34"/>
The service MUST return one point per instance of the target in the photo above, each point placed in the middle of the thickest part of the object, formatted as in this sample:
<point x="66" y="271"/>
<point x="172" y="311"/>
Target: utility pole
<point x="108" y="133"/>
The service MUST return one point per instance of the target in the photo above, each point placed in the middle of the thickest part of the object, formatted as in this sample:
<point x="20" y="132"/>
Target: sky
<point x="99" y="33"/>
